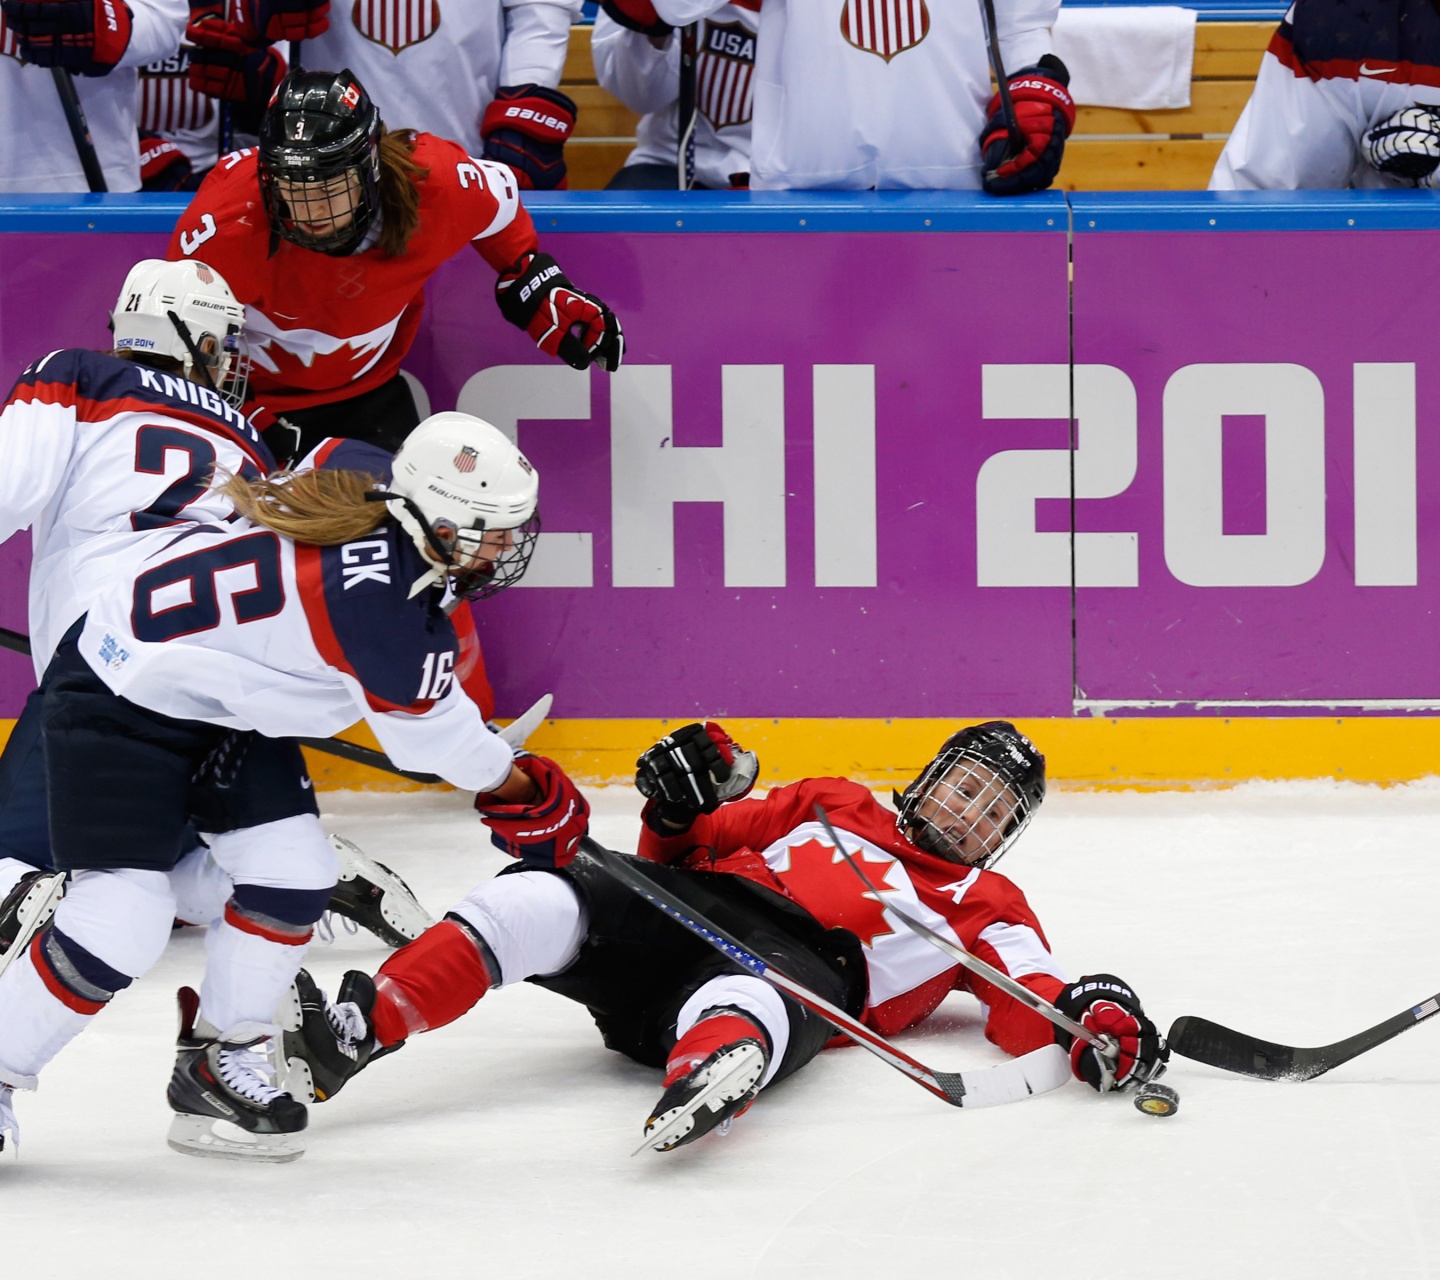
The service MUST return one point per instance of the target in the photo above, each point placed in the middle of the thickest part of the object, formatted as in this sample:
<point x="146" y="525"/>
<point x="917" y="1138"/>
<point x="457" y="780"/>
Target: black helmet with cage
<point x="320" y="161"/>
<point x="972" y="801"/>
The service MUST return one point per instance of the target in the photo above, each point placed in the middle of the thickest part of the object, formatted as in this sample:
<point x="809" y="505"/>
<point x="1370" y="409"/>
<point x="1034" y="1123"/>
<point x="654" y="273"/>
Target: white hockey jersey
<point x="647" y="80"/>
<point x="235" y="625"/>
<point x="1333" y="71"/>
<point x="434" y="65"/>
<point x="37" y="152"/>
<point x="855" y="94"/>
<point x="95" y="453"/>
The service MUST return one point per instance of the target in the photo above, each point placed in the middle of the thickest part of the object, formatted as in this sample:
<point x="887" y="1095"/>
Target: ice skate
<point x="27" y="908"/>
<point x="223" y="1094"/>
<point x="375" y="898"/>
<point x="707" y="1096"/>
<point x="326" y="1043"/>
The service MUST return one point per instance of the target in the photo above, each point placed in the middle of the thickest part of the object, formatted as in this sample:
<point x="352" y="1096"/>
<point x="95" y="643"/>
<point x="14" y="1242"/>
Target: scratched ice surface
<point x="499" y="1146"/>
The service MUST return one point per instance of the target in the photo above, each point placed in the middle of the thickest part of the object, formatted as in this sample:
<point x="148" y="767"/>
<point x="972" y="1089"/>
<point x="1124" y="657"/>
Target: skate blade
<point x="221" y="1140"/>
<point x="729" y="1079"/>
<point x="399" y="907"/>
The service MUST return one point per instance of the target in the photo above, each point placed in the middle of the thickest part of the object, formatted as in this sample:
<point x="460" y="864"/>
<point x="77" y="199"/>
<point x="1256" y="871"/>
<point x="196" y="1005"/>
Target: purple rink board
<point x="1303" y="571"/>
<point x="844" y="363"/>
<point x="833" y="478"/>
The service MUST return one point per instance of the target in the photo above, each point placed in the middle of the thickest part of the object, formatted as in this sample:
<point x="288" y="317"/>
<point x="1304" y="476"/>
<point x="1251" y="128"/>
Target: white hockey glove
<point x="1407" y="145"/>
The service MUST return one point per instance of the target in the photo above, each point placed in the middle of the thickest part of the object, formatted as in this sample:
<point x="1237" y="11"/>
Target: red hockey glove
<point x="262" y="21"/>
<point x="545" y="832"/>
<point x="638" y="15"/>
<point x="85" y="36"/>
<point x="692" y="771"/>
<point x="1046" y="116"/>
<point x="1103" y="1004"/>
<point x="163" y="166"/>
<point x="225" y="64"/>
<point x="535" y="295"/>
<point x="526" y="127"/>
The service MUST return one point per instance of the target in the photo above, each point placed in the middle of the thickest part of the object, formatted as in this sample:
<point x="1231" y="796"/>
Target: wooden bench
<point x="1111" y="150"/>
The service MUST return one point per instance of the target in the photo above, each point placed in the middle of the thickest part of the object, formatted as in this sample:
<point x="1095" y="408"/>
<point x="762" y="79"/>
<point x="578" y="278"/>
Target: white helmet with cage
<point x="185" y="311"/>
<point x="468" y="497"/>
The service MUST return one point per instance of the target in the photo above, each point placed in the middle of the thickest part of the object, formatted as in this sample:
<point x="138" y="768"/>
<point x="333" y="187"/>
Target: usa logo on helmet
<point x="396" y="24"/>
<point x="465" y="459"/>
<point x="885" y="27"/>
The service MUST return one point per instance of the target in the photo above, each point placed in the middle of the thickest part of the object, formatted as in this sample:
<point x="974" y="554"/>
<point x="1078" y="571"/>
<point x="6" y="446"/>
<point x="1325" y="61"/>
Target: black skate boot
<point x="326" y="1043"/>
<point x="707" y="1096"/>
<point x="27" y="908"/>
<point x="225" y="1102"/>
<point x="375" y="898"/>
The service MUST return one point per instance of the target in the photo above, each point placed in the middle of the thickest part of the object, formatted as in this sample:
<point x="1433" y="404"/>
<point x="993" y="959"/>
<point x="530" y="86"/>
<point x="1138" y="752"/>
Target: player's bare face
<point x="317" y="210"/>
<point x="472" y="555"/>
<point x="969" y="810"/>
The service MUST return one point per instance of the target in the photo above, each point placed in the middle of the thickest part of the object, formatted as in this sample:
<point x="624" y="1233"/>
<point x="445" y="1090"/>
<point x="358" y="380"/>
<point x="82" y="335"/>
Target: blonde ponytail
<point x="322" y="508"/>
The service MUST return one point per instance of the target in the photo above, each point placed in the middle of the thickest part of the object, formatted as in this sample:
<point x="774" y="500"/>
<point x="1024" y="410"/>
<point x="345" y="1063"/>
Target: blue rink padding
<point x="842" y="211"/>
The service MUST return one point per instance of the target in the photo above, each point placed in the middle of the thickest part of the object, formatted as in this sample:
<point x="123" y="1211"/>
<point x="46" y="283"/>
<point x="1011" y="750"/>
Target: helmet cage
<point x="471" y="576"/>
<point x="960" y="800"/>
<point x="321" y="138"/>
<point x="222" y="359"/>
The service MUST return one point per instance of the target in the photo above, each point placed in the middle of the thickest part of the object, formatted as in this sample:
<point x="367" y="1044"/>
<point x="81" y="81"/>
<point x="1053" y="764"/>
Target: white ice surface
<point x="498" y="1146"/>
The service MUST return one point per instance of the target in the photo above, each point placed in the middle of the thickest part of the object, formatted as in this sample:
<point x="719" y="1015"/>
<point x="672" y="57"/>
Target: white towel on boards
<point x="1140" y="58"/>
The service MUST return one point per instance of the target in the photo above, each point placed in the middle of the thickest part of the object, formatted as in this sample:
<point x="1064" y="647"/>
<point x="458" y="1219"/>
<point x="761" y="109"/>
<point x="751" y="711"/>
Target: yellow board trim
<point x="1149" y="753"/>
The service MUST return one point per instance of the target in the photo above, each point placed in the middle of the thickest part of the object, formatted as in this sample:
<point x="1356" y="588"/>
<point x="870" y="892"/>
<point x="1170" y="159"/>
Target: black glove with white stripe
<point x="1407" y="145"/>
<point x="692" y="771"/>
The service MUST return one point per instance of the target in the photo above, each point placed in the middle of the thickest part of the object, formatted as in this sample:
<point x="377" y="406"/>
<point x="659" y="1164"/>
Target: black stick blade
<point x="1217" y="1046"/>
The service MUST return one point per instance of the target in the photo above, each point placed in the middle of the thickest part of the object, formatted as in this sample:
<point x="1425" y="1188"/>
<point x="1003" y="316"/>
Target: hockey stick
<point x="1002" y="86"/>
<point x="1151" y="1097"/>
<point x="514" y="734"/>
<point x="1218" y="1046"/>
<point x="79" y="129"/>
<point x="1037" y="1072"/>
<point x="977" y="966"/>
<point x="689" y="56"/>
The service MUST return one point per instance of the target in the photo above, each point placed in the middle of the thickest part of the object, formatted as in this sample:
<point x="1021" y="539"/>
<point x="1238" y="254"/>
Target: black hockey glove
<point x="1101" y="1003"/>
<point x="1407" y="145"/>
<point x="692" y="771"/>
<point x="535" y="295"/>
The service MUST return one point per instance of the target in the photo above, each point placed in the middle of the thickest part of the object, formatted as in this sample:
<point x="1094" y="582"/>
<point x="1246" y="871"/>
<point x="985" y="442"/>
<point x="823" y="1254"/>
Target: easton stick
<point x="1002" y="86"/>
<point x="1217" y="1046"/>
<point x="1037" y="1072"/>
<point x="1150" y="1097"/>
<point x="689" y="61"/>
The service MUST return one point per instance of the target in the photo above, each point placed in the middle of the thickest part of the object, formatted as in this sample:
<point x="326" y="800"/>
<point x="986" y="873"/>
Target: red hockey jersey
<point x="777" y="842"/>
<point x="324" y="328"/>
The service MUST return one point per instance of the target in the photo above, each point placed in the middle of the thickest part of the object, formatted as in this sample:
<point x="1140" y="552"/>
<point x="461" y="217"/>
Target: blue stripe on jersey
<point x="100" y="377"/>
<point x="402" y="650"/>
<point x="1384" y="31"/>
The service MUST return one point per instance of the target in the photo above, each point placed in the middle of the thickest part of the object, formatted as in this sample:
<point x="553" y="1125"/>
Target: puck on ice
<point x="1157" y="1100"/>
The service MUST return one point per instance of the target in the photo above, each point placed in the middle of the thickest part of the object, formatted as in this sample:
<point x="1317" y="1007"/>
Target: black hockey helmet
<point x="320" y="130"/>
<point x="948" y="789"/>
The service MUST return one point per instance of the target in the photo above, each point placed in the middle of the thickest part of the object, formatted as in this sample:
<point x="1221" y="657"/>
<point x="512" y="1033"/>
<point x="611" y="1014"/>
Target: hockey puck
<point x="1157" y="1100"/>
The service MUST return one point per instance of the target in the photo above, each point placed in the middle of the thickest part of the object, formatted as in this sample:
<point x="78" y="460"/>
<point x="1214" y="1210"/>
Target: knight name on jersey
<point x="187" y="392"/>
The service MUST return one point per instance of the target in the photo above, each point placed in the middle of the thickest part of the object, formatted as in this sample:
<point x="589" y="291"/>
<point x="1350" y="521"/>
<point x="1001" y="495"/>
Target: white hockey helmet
<point x="185" y="310"/>
<point x="468" y="498"/>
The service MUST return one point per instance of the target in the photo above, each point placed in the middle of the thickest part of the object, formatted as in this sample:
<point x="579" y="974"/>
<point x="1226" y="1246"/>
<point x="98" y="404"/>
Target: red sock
<point x="434" y="980"/>
<point x="707" y="1035"/>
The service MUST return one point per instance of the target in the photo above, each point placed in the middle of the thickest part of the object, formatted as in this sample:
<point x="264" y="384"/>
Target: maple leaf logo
<point x="819" y="880"/>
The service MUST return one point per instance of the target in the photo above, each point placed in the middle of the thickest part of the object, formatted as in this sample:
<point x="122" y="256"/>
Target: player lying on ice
<point x="766" y="872"/>
<point x="175" y="702"/>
